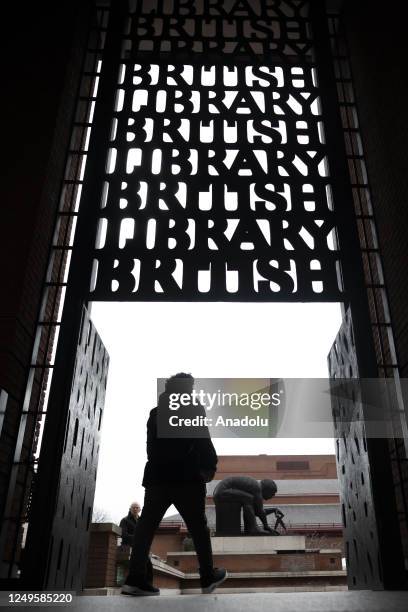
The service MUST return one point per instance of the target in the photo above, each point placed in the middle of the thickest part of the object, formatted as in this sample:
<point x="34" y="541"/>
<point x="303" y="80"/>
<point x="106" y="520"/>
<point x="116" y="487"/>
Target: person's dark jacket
<point x="128" y="526"/>
<point x="182" y="459"/>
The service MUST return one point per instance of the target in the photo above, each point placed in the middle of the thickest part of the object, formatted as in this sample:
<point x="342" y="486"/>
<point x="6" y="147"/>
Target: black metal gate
<point x="216" y="171"/>
<point x="73" y="470"/>
<point x="363" y="557"/>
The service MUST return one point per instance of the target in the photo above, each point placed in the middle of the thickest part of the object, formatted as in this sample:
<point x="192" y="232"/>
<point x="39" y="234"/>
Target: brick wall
<point x="102" y="555"/>
<point x="300" y="562"/>
<point x="311" y="498"/>
<point x="267" y="466"/>
<point x="377" y="46"/>
<point x="165" y="543"/>
<point x="41" y="80"/>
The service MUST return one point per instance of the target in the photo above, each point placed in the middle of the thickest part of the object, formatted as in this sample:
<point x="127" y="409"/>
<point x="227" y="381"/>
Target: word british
<point x="217" y="186"/>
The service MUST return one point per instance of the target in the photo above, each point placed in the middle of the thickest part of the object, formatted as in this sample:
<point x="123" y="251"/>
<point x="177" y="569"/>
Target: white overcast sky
<point x="147" y="341"/>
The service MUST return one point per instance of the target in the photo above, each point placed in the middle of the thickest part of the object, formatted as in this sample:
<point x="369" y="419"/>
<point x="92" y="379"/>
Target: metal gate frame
<point x="38" y="541"/>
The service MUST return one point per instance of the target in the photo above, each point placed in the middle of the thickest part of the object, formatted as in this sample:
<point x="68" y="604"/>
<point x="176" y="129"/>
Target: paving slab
<point x="350" y="601"/>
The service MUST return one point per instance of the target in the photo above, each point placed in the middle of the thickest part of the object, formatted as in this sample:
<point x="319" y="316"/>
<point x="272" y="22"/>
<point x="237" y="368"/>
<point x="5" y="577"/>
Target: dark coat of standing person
<point x="128" y="524"/>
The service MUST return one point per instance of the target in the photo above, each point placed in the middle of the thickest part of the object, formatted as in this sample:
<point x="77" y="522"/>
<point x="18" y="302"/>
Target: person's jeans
<point x="189" y="500"/>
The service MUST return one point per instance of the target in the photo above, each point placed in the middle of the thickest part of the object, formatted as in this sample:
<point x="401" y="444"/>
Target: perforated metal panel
<point x="353" y="467"/>
<point x="215" y="180"/>
<point x="79" y="462"/>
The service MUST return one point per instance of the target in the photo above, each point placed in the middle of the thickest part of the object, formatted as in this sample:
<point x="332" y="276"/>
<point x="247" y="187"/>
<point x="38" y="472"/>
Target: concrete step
<point x="340" y="601"/>
<point x="287" y="580"/>
<point x="258" y="544"/>
<point x="260" y="561"/>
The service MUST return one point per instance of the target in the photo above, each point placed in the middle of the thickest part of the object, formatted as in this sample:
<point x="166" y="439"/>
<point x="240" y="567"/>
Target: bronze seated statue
<point x="244" y="492"/>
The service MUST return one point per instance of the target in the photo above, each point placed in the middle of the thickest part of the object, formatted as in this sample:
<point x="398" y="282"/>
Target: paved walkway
<point x="349" y="601"/>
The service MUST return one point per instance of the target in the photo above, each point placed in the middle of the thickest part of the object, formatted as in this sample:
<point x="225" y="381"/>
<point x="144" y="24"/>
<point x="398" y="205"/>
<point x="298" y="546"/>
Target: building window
<point x="292" y="465"/>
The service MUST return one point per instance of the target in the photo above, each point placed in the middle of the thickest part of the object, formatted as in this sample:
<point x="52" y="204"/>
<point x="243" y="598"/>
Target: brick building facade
<point x="311" y="558"/>
<point x="381" y="84"/>
<point x="308" y="494"/>
<point x="43" y="88"/>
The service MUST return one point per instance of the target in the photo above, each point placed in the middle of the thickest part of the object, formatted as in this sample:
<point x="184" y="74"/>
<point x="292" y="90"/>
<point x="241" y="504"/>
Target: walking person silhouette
<point x="175" y="473"/>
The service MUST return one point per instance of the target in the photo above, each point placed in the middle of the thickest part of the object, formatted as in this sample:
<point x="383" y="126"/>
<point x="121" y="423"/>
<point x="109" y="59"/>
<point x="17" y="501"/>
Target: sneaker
<point x="210" y="583"/>
<point x="142" y="589"/>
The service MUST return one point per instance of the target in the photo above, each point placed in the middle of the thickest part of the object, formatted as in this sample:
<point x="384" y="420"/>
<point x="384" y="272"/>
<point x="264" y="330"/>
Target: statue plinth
<point x="258" y="544"/>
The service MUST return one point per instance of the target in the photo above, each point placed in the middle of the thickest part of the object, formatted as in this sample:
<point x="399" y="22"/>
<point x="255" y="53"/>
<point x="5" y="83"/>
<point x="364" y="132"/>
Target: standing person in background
<point x="128" y="524"/>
